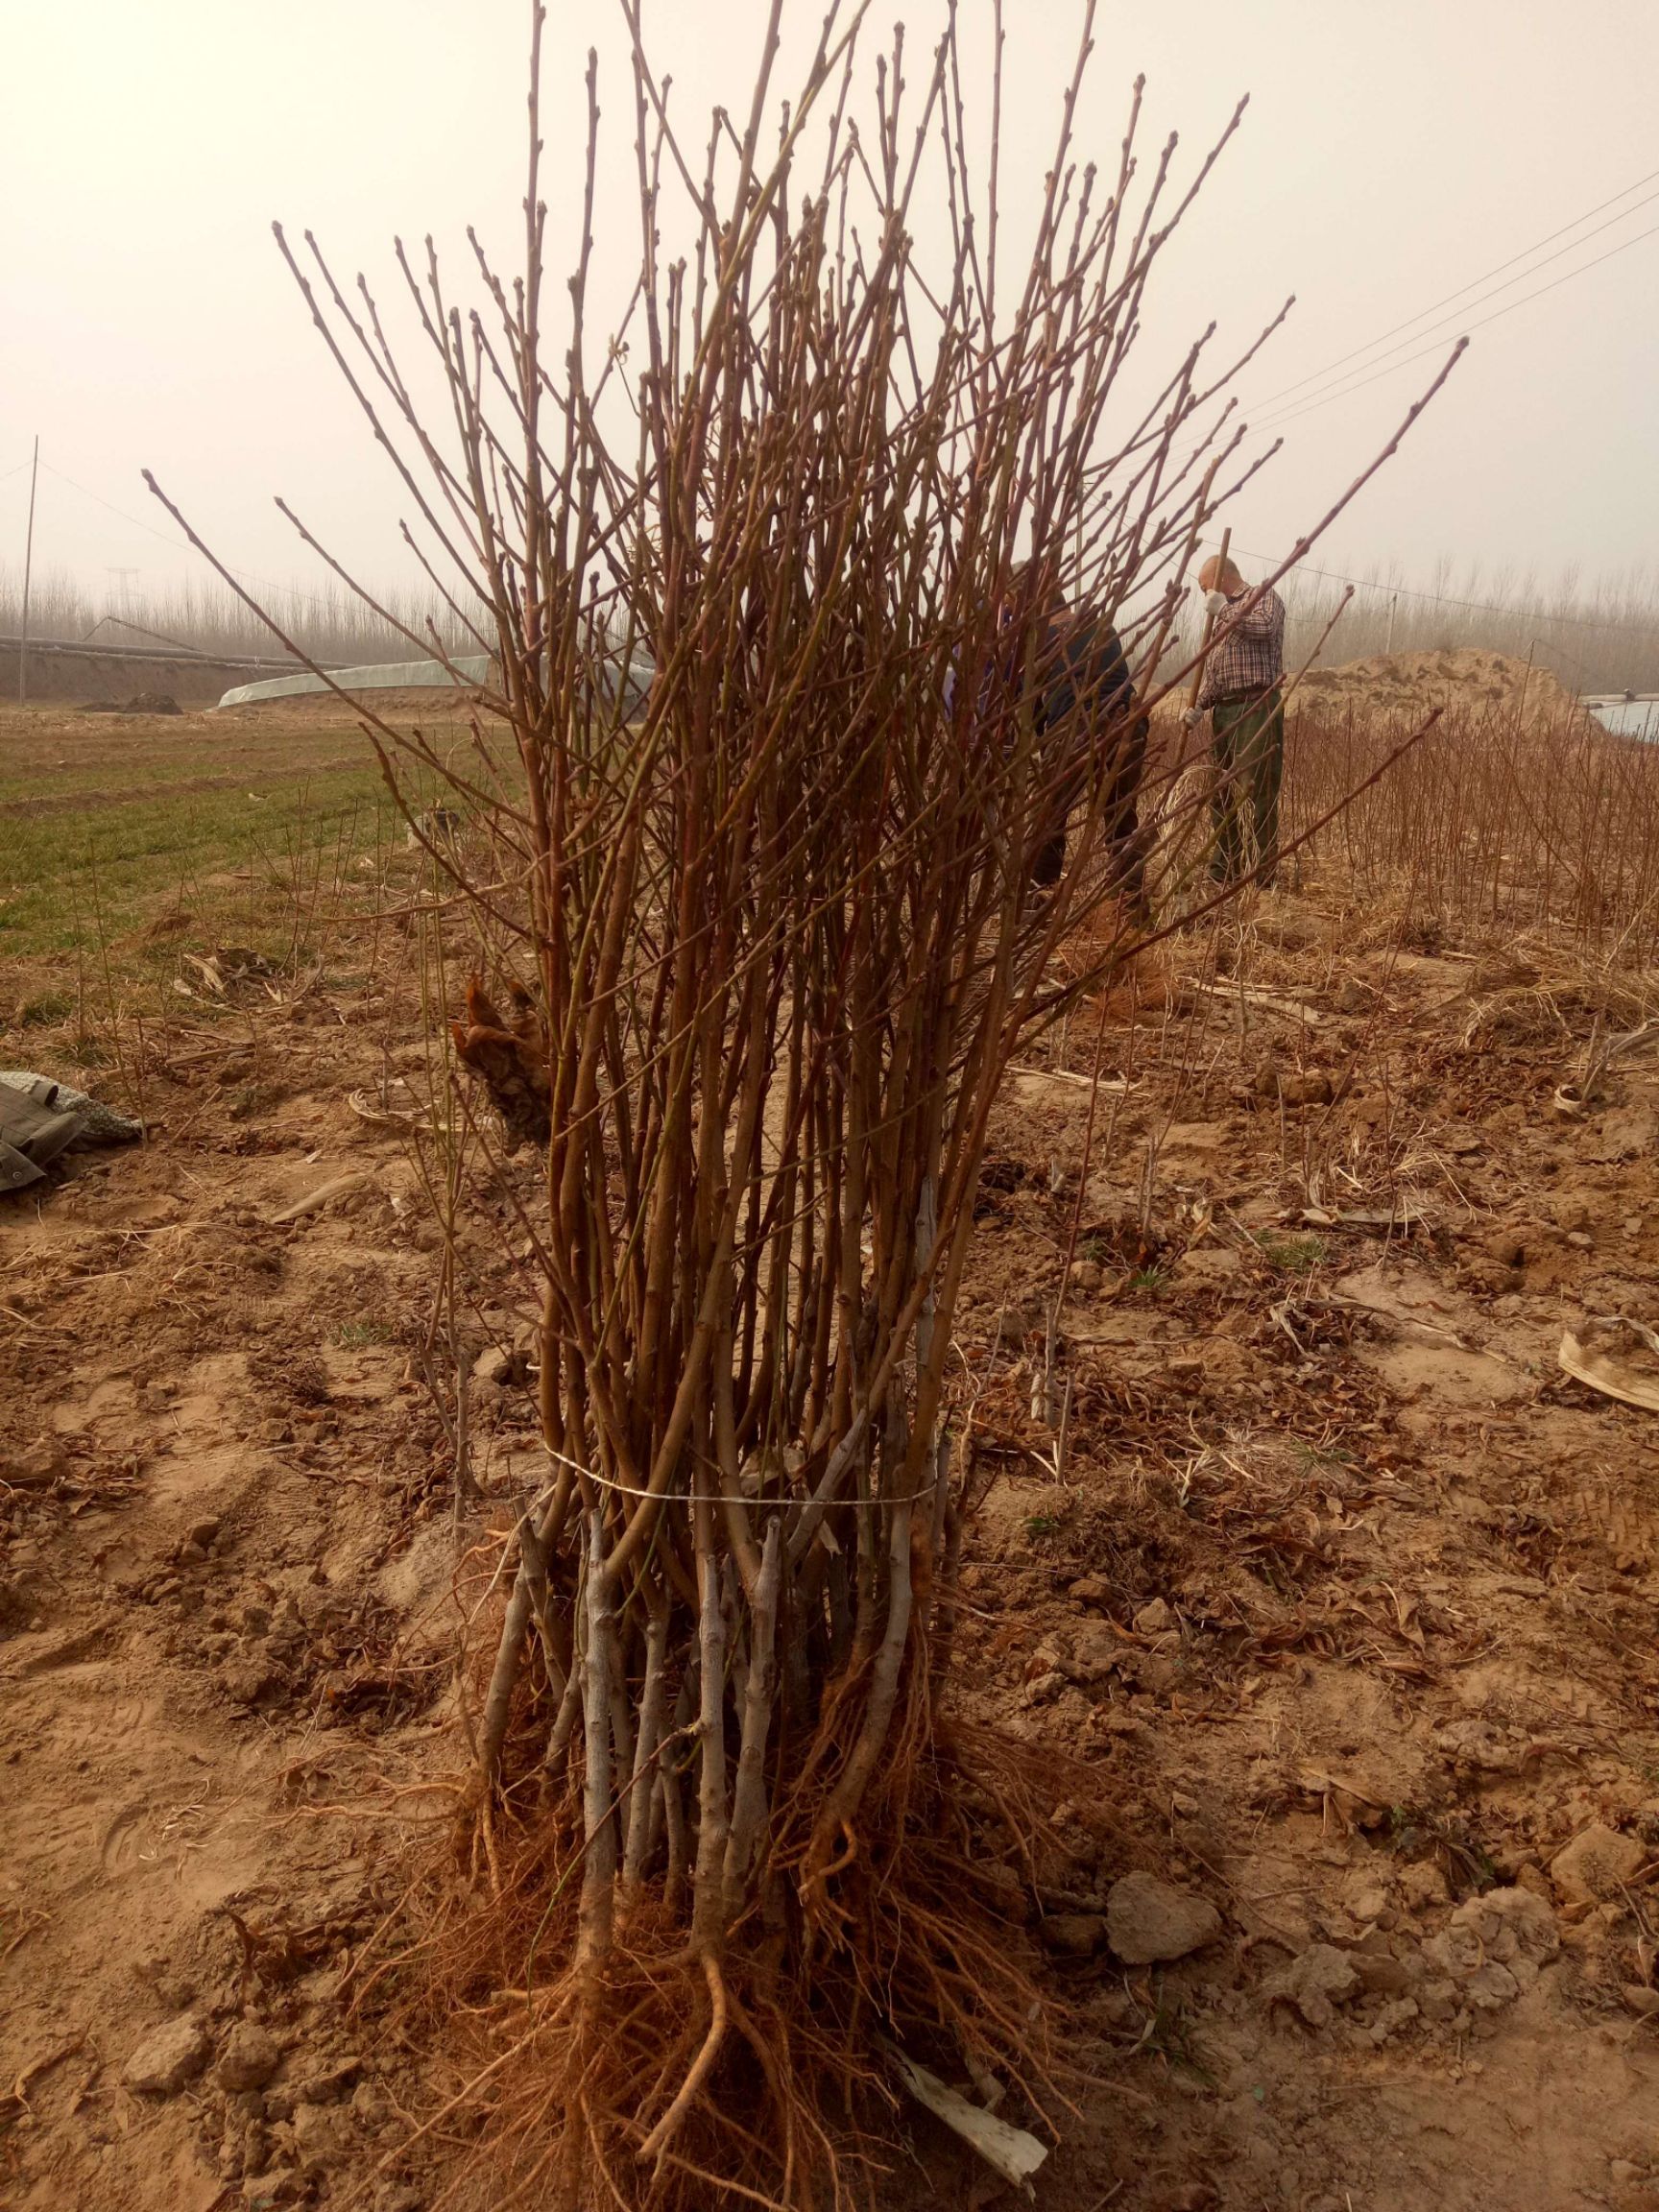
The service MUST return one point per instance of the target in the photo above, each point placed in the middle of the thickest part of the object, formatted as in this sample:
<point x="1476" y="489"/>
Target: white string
<point x="719" y="1497"/>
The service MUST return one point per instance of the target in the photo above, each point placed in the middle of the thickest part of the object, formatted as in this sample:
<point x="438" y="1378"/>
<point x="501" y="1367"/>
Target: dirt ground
<point x="1335" y="1612"/>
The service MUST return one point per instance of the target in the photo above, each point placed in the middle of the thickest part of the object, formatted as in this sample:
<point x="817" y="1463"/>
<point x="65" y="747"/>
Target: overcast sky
<point x="1393" y="152"/>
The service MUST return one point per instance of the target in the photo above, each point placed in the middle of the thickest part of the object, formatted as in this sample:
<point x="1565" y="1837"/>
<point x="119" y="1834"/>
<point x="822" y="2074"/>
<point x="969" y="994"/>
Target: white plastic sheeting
<point x="1627" y="717"/>
<point x="631" y="680"/>
<point x="387" y="676"/>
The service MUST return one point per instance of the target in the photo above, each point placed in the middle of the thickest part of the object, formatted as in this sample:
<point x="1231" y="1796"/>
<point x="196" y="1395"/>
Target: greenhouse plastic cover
<point x="630" y="679"/>
<point x="1627" y="717"/>
<point x="387" y="676"/>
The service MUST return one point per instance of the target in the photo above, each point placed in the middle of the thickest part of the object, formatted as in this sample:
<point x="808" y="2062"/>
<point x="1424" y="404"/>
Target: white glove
<point x="1192" y="717"/>
<point x="1217" y="603"/>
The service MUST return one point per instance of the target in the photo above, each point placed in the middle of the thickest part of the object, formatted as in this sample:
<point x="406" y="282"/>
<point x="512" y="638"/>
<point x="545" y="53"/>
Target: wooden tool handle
<point x="1209" y="625"/>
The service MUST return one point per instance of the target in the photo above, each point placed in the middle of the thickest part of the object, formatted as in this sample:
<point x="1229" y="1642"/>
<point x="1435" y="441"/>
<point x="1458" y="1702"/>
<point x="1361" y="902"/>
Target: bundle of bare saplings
<point x="756" y="937"/>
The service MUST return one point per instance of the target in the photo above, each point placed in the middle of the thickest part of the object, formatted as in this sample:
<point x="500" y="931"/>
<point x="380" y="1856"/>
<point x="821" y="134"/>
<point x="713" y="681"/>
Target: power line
<point x="1447" y="599"/>
<point x="1318" y="375"/>
<point x="149" y="528"/>
<point x="265" y="582"/>
<point x="1447" y="320"/>
<point x="1308" y="407"/>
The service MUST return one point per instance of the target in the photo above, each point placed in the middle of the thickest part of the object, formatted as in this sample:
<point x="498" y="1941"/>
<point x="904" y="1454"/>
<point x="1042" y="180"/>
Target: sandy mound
<point x="1405" y="686"/>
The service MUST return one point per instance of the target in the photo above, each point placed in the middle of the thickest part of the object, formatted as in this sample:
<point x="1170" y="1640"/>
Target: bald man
<point x="1243" y="694"/>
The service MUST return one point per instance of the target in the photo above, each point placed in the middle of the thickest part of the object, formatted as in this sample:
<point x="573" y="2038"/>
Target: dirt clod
<point x="1075" y="1935"/>
<point x="169" y="2057"/>
<point x="493" y="1365"/>
<point x="250" y="2057"/>
<point x="1509" y="1924"/>
<point x="1147" y="1920"/>
<point x="280" y="2185"/>
<point x="1314" y="1984"/>
<point x="320" y="2136"/>
<point x="1595" y="1864"/>
<point x="1422" y="1886"/>
<point x="33" y="1465"/>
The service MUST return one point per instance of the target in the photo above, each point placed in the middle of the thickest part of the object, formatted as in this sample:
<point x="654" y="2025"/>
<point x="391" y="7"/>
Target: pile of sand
<point x="1405" y="686"/>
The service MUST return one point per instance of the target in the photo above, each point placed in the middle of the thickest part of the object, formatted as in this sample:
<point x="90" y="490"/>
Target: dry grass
<point x="1553" y="833"/>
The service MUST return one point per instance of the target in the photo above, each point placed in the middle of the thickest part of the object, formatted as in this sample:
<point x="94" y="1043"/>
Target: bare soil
<point x="1338" y="1610"/>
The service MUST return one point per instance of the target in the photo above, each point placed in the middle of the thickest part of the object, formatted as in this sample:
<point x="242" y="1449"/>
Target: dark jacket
<point x="1088" y="736"/>
<point x="1087" y="720"/>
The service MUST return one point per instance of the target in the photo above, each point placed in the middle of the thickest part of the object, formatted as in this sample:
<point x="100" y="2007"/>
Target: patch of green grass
<point x="1166" y="2030"/>
<point x="50" y="755"/>
<point x="71" y="877"/>
<point x="1293" y="1255"/>
<point x="358" y="1336"/>
<point x="45" y="1008"/>
<point x="1317" y="1456"/>
<point x="1147" y="1282"/>
<point x="247" y="832"/>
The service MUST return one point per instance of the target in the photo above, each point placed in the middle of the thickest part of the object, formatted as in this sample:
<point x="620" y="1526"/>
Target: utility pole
<point x="27" y="565"/>
<point x="1392" y="604"/>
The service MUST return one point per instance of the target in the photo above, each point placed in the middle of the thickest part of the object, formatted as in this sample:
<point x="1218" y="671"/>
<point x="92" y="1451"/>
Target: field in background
<point x="1597" y="638"/>
<point x="1601" y="636"/>
<point x="1549" y="831"/>
<point x="264" y="824"/>
<point x="1333" y="1605"/>
<point x="1533" y="820"/>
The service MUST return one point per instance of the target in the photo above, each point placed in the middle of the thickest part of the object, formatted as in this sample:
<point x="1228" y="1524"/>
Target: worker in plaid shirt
<point x="1242" y="693"/>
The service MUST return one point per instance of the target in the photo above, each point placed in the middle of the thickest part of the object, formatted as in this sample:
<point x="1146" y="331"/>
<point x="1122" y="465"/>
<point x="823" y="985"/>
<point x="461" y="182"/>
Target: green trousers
<point x="1248" y="738"/>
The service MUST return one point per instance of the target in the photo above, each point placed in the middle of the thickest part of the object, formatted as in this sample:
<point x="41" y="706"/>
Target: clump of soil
<point x="140" y="703"/>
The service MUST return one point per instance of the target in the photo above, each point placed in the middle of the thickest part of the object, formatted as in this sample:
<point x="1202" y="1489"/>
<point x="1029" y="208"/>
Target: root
<point x="704" y="2065"/>
<point x="679" y="2077"/>
<point x="726" y="2188"/>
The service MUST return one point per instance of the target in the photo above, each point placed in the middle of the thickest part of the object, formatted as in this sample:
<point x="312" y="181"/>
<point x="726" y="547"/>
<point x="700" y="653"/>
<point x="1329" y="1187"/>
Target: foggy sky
<point x="1392" y="152"/>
